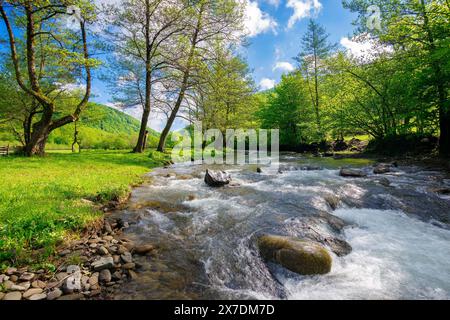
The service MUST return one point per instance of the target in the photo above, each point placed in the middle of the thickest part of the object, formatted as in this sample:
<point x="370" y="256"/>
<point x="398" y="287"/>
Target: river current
<point x="206" y="237"/>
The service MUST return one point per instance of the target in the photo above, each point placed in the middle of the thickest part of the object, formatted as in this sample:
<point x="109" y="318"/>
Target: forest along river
<point x="206" y="237"/>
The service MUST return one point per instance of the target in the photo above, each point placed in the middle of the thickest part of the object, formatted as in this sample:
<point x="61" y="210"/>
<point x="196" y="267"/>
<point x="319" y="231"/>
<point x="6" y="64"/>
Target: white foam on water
<point x="394" y="257"/>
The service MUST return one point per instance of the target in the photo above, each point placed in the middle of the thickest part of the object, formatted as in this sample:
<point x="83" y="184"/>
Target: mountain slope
<point x="100" y="127"/>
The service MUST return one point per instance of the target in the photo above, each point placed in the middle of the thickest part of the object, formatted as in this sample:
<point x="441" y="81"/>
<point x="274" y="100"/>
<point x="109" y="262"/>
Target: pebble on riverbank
<point x="90" y="268"/>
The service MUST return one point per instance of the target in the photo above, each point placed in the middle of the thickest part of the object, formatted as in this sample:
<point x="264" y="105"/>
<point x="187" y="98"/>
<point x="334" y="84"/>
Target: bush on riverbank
<point x="43" y="200"/>
<point x="408" y="144"/>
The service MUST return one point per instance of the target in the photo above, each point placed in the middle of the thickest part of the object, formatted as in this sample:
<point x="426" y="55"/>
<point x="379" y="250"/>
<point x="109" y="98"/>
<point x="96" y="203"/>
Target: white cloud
<point x="257" y="21"/>
<point x="283" y="66"/>
<point x="266" y="84"/>
<point x="363" y="48"/>
<point x="274" y="3"/>
<point x="302" y="9"/>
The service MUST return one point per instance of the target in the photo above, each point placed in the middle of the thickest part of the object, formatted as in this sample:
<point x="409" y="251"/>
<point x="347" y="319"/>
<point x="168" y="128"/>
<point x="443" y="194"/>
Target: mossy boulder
<point x="300" y="256"/>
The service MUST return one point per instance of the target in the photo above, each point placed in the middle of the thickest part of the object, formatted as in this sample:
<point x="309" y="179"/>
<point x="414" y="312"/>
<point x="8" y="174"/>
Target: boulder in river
<point x="354" y="173"/>
<point x="444" y="191"/>
<point x="382" y="168"/>
<point x="217" y="178"/>
<point x="384" y="182"/>
<point x="300" y="256"/>
<point x="332" y="200"/>
<point x="311" y="168"/>
<point x="338" y="246"/>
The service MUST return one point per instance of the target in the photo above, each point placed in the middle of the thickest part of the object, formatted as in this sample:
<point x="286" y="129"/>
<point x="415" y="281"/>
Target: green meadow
<point x="43" y="200"/>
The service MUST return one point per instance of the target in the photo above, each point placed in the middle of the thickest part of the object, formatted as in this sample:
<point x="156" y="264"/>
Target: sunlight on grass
<point x="41" y="199"/>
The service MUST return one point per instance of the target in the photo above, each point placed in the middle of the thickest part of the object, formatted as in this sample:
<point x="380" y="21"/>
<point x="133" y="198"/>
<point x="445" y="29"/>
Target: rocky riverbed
<point x="91" y="268"/>
<point x="385" y="227"/>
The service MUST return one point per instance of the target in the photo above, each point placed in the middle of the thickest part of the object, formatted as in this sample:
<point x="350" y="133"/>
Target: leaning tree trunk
<point x="184" y="84"/>
<point x="173" y="115"/>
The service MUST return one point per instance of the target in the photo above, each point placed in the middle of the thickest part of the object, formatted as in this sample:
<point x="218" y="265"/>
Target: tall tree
<point x="142" y="32"/>
<point x="41" y="29"/>
<point x="419" y="29"/>
<point x="225" y="98"/>
<point x="208" y="21"/>
<point x="315" y="48"/>
<point x="289" y="110"/>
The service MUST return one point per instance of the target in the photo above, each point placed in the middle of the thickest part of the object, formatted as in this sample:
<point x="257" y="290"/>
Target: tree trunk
<point x="148" y="82"/>
<point x="184" y="85"/>
<point x="144" y="122"/>
<point x="27" y="128"/>
<point x="443" y="103"/>
<point x="173" y="115"/>
<point x="36" y="146"/>
<point x="444" y="126"/>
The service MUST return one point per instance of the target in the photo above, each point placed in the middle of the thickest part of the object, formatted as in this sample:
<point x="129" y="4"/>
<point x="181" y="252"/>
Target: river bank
<point x="54" y="204"/>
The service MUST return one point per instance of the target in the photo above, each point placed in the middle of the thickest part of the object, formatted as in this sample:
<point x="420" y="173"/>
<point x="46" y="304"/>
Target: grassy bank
<point x="43" y="200"/>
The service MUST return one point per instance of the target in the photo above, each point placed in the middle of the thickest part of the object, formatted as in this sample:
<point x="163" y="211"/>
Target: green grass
<point x="41" y="199"/>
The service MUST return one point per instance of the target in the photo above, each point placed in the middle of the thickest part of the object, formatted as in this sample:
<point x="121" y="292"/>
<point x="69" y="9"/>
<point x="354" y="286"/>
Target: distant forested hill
<point x="100" y="127"/>
<point x="110" y="120"/>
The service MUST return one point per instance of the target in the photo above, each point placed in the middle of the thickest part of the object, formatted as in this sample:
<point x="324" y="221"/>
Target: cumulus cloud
<point x="283" y="66"/>
<point x="302" y="9"/>
<point x="257" y="21"/>
<point x="364" y="48"/>
<point x="266" y="84"/>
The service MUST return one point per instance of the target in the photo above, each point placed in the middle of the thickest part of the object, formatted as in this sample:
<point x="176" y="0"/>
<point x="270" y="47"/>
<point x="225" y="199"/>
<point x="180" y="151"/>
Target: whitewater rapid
<point x="206" y="237"/>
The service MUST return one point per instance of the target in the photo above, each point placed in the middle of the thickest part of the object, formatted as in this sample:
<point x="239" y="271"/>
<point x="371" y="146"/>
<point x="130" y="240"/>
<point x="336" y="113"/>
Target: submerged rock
<point x="384" y="182"/>
<point x="354" y="173"/>
<point x="338" y="246"/>
<point x="302" y="257"/>
<point x="311" y="168"/>
<point x="382" y="168"/>
<point x="444" y="191"/>
<point x="217" y="178"/>
<point x="333" y="201"/>
<point x="144" y="249"/>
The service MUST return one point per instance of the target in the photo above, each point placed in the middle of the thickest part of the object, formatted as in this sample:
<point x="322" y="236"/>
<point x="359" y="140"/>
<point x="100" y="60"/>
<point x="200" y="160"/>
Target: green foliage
<point x="226" y="99"/>
<point x="41" y="199"/>
<point x="399" y="89"/>
<point x="288" y="109"/>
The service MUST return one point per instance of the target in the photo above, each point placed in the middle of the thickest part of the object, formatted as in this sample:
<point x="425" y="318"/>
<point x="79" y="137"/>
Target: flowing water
<point x="206" y="236"/>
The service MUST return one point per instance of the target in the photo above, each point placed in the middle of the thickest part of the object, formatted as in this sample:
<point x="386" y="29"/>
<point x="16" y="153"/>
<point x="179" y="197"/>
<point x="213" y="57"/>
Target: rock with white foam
<point x="217" y="178"/>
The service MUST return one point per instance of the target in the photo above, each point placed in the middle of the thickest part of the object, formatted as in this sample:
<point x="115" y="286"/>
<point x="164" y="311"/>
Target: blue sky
<point x="273" y="47"/>
<point x="275" y="28"/>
